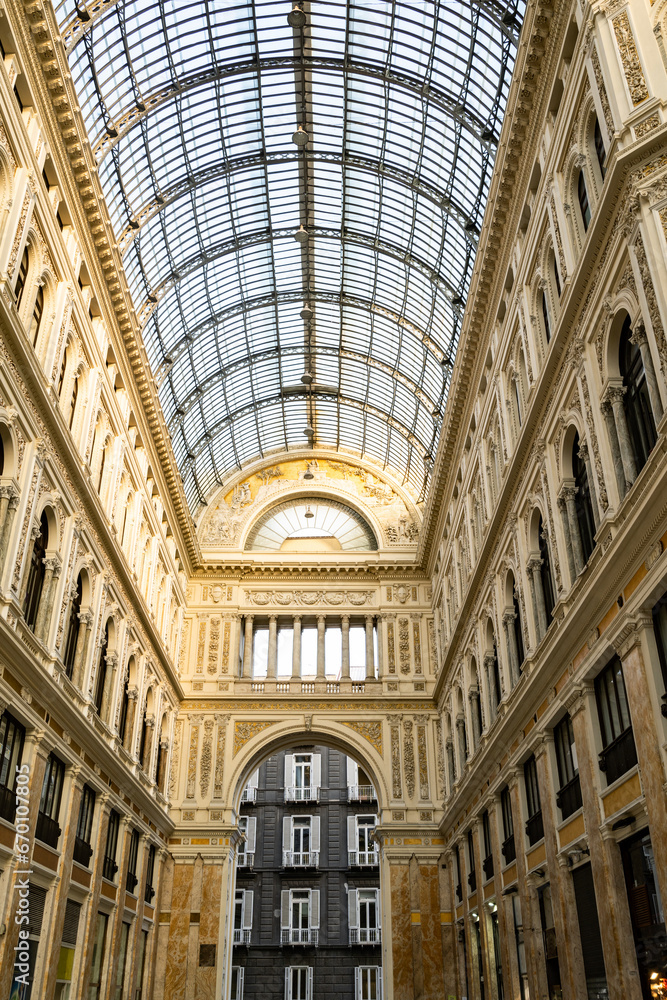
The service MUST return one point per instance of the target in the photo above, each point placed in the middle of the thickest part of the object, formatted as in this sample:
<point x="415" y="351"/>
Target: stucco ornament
<point x="244" y="731"/>
<point x="371" y="731"/>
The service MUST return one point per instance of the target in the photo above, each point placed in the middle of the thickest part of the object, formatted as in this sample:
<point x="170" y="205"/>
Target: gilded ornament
<point x="371" y="731"/>
<point x="244" y="731"/>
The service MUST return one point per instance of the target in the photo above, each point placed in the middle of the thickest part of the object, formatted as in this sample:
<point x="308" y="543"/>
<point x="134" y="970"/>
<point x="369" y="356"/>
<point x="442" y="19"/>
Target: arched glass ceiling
<point x="190" y="107"/>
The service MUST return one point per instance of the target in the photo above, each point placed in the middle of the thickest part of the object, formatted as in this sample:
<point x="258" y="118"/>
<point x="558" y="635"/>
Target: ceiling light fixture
<point x="301" y="235"/>
<point x="306" y="378"/>
<point x="296" y="17"/>
<point x="309" y="431"/>
<point x="308" y="513"/>
<point x="300" y="137"/>
<point x="306" y="313"/>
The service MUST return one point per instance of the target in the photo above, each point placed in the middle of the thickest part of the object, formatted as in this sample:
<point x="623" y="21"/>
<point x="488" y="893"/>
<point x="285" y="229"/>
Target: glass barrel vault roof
<point x="190" y="107"/>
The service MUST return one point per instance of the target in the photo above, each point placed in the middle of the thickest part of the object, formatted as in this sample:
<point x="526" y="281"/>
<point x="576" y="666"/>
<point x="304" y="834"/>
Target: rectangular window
<point x="645" y="903"/>
<point x="361" y="848"/>
<point x="472" y="874"/>
<point x="534" y="825"/>
<point x="364" y="916"/>
<point x="243" y="906"/>
<point x="131" y="878"/>
<point x="300" y="916"/>
<point x="368" y="982"/>
<point x="37" y="896"/>
<point x="457" y="873"/>
<point x="248" y="828"/>
<point x="487" y="864"/>
<point x="143" y="948"/>
<point x="97" y="964"/>
<point x="119" y="975"/>
<point x="299" y="983"/>
<point x="149" y="891"/>
<point x="110" y="867"/>
<point x="618" y="745"/>
<point x="302" y="777"/>
<point x="508" y="848"/>
<point x="12" y="735"/>
<point x="236" y="991"/>
<point x="568" y="798"/>
<point x="82" y="846"/>
<point x="660" y="630"/>
<point x="67" y="950"/>
<point x="48" y="830"/>
<point x="301" y="840"/>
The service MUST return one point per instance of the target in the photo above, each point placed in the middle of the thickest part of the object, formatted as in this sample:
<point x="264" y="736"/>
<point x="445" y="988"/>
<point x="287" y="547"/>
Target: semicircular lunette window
<point x="311" y="525"/>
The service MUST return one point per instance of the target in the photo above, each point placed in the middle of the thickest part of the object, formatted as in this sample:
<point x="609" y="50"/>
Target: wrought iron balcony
<point x="619" y="756"/>
<point x="82" y="851"/>
<point x="299" y="935"/>
<point x="301" y="859"/>
<point x="361" y="793"/>
<point x="247" y="859"/>
<point x="363" y="859"/>
<point x="241" y="936"/>
<point x="365" y="935"/>
<point x="487" y="865"/>
<point x="7" y="804"/>
<point x="568" y="798"/>
<point x="47" y="830"/>
<point x="509" y="850"/>
<point x="309" y="793"/>
<point x="248" y="795"/>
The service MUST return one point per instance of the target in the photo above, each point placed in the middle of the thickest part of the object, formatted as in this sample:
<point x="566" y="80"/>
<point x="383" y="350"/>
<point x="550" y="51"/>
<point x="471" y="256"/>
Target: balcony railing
<point x="7" y="804"/>
<point x="241" y="936"/>
<point x="301" y="859"/>
<point x="365" y="935"/>
<point x="248" y="795"/>
<point x="472" y="881"/>
<point x="131" y="881"/>
<point x="359" y="859"/>
<point x="307" y="794"/>
<point x="299" y="935"/>
<point x="535" y="828"/>
<point x="487" y="866"/>
<point x="361" y="793"/>
<point x="82" y="851"/>
<point x="509" y="850"/>
<point x="568" y="798"/>
<point x="247" y="859"/>
<point x="47" y="830"/>
<point x="149" y="892"/>
<point x="619" y="756"/>
<point x="109" y="868"/>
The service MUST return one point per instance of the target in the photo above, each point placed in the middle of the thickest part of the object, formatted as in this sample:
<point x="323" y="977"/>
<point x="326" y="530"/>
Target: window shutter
<point x="284" y="909"/>
<point x="357" y="983"/>
<point x="239" y="981"/>
<point x="351" y="833"/>
<point x="352" y="772"/>
<point x="352" y="912"/>
<point x="315" y="909"/>
<point x="315" y="833"/>
<point x="378" y="918"/>
<point x="289" y="769"/>
<point x="310" y="982"/>
<point x="251" y="832"/>
<point x="287" y="990"/>
<point x="317" y="770"/>
<point x="253" y="780"/>
<point x="287" y="833"/>
<point x="247" y="909"/>
<point x="71" y="924"/>
<point x="36" y="913"/>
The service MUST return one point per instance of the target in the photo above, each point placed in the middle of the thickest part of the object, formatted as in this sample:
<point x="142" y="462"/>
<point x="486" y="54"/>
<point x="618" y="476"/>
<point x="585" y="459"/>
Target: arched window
<point x="72" y="405"/>
<point x="582" y="502"/>
<point x="600" y="151"/>
<point x="22" y="277"/>
<point x="61" y="376"/>
<point x="72" y="629"/>
<point x="518" y="633"/>
<point x="584" y="204"/>
<point x="37" y="316"/>
<point x="517" y="396"/>
<point x="142" y="741"/>
<point x="545" y="574"/>
<point x="124" y="706"/>
<point x="101" y="671"/>
<point x="636" y="401"/>
<point x="36" y="573"/>
<point x="546" y="317"/>
<point x="101" y="473"/>
<point x="556" y="274"/>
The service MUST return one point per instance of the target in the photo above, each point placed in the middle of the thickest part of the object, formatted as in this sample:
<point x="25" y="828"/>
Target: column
<point x="272" y="664"/>
<point x="345" y="669"/>
<point x="534" y="567"/>
<point x="491" y="684"/>
<point x="611" y="897"/>
<point x="321" y="626"/>
<point x="615" y="395"/>
<point x="52" y="569"/>
<point x="568" y="493"/>
<point x="380" y="630"/>
<point x="109" y="684"/>
<point x="473" y="695"/>
<point x="9" y="502"/>
<point x="163" y="750"/>
<point x="510" y="636"/>
<point x="585" y="456"/>
<point x="132" y="695"/>
<point x="81" y="651"/>
<point x="614" y="446"/>
<point x="247" y="648"/>
<point x="639" y="338"/>
<point x="370" y="649"/>
<point x="568" y="539"/>
<point x="296" y="649"/>
<point x="451" y="770"/>
<point x="148" y="746"/>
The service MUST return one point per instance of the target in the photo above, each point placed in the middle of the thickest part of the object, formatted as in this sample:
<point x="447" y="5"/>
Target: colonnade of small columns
<point x="295" y="623"/>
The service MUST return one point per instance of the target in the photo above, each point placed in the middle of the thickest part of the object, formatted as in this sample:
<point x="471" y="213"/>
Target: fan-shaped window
<point x="584" y="203"/>
<point x="311" y="525"/>
<point x="636" y="401"/>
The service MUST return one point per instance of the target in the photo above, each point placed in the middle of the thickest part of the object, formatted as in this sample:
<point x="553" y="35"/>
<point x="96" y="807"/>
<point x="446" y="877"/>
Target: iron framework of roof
<point x="190" y="107"/>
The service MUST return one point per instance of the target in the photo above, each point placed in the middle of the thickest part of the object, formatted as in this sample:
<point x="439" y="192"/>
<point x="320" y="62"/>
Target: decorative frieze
<point x="244" y="731"/>
<point x="308" y="598"/>
<point x="371" y="731"/>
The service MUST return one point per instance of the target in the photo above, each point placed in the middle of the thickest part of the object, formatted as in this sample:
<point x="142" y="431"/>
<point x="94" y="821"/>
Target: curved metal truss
<point x="346" y="338"/>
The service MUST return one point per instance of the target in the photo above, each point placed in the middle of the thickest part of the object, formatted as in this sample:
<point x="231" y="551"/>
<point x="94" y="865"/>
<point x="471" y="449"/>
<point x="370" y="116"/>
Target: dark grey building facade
<point x="307" y="917"/>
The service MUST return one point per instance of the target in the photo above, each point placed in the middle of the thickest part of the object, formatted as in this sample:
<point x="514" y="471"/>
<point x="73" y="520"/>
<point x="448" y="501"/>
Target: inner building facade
<point x="333" y="611"/>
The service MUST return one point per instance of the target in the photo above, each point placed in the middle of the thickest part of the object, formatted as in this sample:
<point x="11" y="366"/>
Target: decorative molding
<point x="371" y="731"/>
<point x="245" y="731"/>
<point x="632" y="67"/>
<point x="309" y="598"/>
